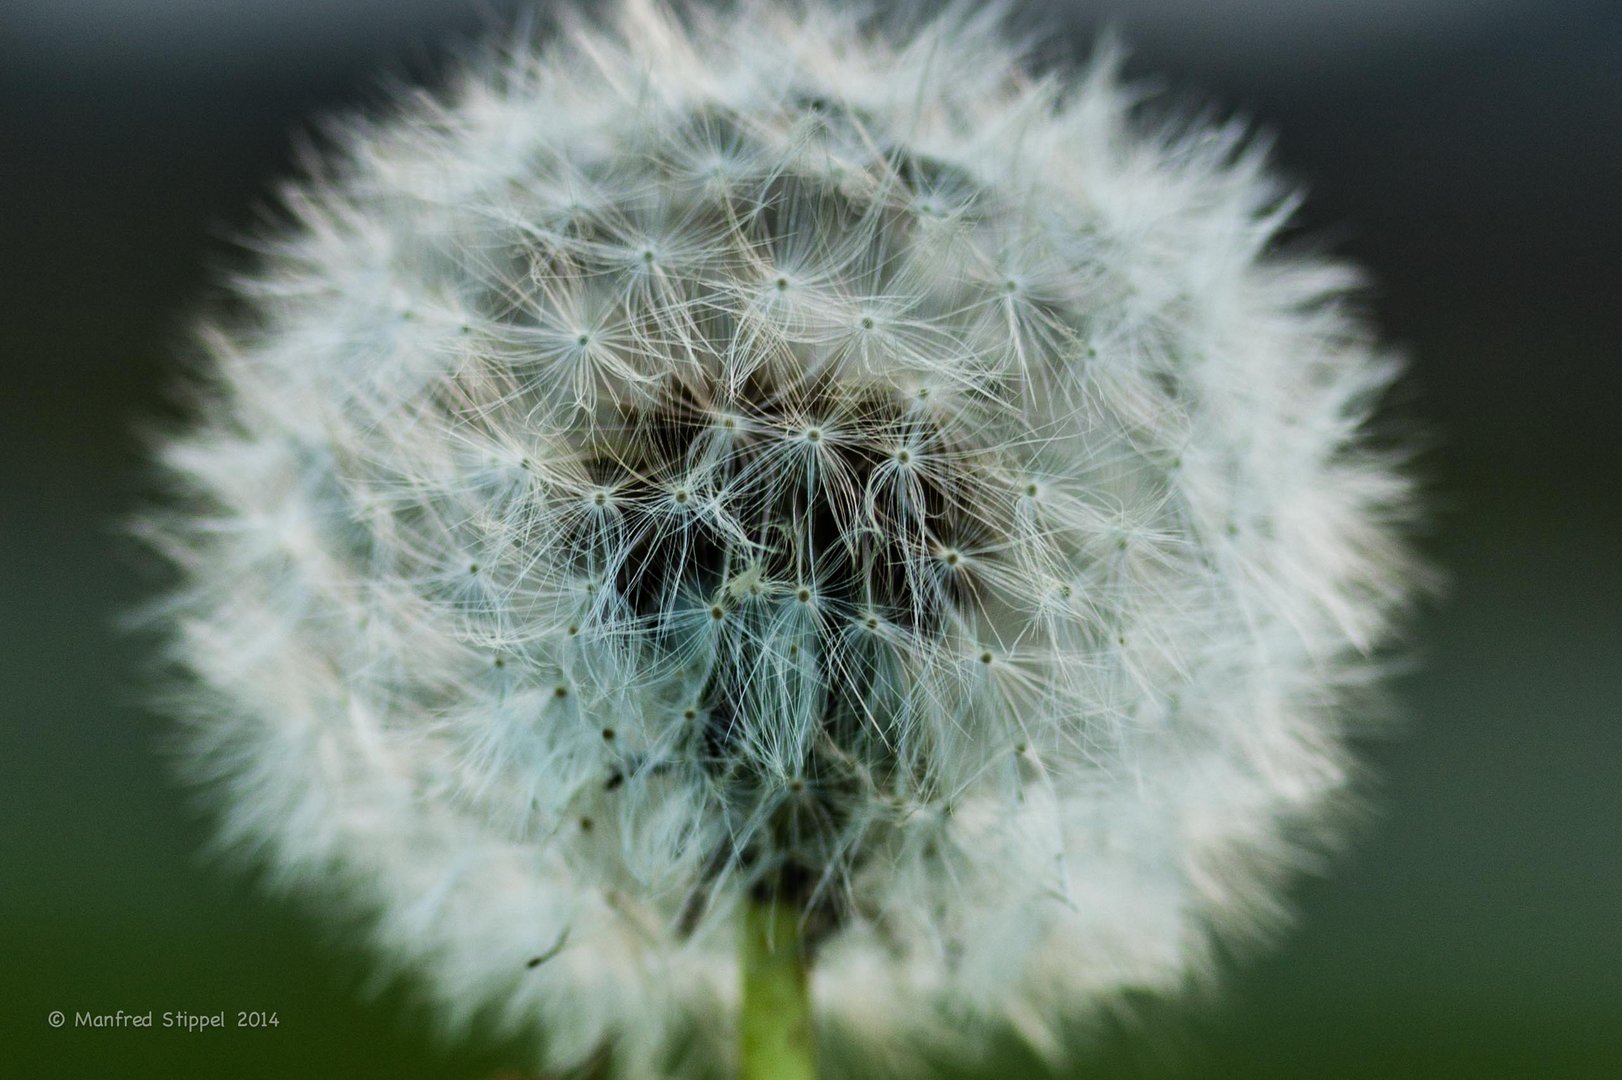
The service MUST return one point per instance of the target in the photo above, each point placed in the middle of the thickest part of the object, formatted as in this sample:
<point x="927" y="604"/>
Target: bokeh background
<point x="1469" y="152"/>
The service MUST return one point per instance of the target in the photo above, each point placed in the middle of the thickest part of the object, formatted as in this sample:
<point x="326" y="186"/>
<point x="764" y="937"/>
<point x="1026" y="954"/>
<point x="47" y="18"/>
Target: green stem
<point x="776" y="1022"/>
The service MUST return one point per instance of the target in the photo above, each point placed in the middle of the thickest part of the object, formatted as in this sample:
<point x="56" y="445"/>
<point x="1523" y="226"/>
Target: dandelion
<point x="768" y="477"/>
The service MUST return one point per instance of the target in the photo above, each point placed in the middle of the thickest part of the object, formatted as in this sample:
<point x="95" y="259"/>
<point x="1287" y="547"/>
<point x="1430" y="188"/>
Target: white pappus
<point x="761" y="449"/>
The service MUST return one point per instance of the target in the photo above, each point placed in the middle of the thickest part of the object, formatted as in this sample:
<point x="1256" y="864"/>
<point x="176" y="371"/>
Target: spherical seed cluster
<point x="763" y="453"/>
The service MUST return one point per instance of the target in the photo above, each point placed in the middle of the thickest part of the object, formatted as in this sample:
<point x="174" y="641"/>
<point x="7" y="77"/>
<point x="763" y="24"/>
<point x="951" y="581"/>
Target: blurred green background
<point x="1469" y="152"/>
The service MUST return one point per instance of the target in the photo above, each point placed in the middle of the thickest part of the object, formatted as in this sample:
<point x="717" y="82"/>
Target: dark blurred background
<point x="1468" y="152"/>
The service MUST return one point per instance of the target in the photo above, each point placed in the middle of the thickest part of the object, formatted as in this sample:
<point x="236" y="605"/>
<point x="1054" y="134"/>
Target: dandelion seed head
<point x="772" y="450"/>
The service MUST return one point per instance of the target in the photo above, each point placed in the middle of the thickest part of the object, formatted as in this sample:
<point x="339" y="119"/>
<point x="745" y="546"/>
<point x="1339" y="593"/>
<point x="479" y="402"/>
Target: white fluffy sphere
<point x="764" y="452"/>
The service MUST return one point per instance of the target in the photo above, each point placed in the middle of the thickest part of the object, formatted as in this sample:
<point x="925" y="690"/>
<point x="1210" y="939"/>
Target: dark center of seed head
<point x="857" y="551"/>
